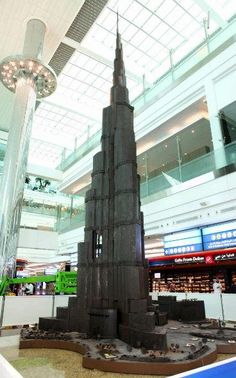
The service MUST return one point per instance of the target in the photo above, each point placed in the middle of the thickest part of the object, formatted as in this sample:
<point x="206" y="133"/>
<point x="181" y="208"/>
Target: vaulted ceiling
<point x="79" y="45"/>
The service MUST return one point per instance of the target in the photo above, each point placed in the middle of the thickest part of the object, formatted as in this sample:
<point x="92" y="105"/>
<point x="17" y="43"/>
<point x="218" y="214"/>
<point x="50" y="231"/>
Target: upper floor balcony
<point x="177" y="73"/>
<point x="157" y="184"/>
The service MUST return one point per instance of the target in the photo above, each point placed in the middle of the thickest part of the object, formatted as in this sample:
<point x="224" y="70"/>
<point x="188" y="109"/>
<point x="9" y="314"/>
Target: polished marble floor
<point x="48" y="363"/>
<point x="52" y="363"/>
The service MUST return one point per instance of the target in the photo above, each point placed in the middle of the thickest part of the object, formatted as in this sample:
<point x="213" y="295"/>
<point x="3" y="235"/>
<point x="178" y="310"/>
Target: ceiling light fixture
<point x="28" y="69"/>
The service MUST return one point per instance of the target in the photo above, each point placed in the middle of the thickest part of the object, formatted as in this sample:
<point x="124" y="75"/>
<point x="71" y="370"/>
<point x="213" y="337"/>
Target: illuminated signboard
<point x="178" y="261"/>
<point x="190" y="260"/>
<point x="183" y="242"/>
<point x="225" y="256"/>
<point x="161" y="262"/>
<point x="219" y="236"/>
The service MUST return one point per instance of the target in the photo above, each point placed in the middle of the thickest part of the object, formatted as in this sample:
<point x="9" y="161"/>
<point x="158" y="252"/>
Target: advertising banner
<point x="219" y="236"/>
<point x="225" y="257"/>
<point x="178" y="261"/>
<point x="183" y="242"/>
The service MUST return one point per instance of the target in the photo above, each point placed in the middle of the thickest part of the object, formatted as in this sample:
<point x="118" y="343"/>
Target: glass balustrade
<point x="180" y="70"/>
<point x="61" y="207"/>
<point x="230" y="151"/>
<point x="71" y="222"/>
<point x="157" y="187"/>
<point x="80" y="152"/>
<point x="39" y="208"/>
<point x="188" y="64"/>
<point x="155" y="180"/>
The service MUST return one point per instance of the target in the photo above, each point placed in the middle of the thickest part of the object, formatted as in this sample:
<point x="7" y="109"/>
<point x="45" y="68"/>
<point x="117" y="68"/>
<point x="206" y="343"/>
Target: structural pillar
<point x="28" y="78"/>
<point x="216" y="131"/>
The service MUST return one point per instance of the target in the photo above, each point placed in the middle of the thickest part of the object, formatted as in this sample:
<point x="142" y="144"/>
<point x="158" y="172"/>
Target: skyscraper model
<point x="112" y="297"/>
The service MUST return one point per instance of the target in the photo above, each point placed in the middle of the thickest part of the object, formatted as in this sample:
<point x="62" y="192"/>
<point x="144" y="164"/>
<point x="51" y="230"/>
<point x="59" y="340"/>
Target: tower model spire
<point x="113" y="299"/>
<point x="119" y="79"/>
<point x="119" y="69"/>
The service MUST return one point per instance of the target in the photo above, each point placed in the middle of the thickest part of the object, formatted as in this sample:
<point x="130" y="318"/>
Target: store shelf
<point x="201" y="282"/>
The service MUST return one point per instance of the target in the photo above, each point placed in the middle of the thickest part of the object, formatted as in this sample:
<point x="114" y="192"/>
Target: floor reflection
<point x="53" y="363"/>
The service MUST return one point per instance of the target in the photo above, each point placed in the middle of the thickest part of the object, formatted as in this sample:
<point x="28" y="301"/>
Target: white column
<point x="15" y="162"/>
<point x="216" y="131"/>
<point x="34" y="38"/>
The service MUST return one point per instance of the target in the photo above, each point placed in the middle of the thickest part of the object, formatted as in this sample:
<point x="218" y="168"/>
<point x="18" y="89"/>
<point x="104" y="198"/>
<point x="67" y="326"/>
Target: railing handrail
<point x="81" y="150"/>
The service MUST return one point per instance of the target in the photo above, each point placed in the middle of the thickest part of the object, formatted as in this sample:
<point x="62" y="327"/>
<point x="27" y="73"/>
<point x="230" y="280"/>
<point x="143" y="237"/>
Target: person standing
<point x="29" y="289"/>
<point x="217" y="287"/>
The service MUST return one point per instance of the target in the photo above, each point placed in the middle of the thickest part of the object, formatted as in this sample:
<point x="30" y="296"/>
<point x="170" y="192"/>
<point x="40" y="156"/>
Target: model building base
<point x="188" y="346"/>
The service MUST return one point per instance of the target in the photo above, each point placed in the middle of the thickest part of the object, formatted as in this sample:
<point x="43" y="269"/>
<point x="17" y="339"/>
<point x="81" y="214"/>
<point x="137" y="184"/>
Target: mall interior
<point x="56" y="65"/>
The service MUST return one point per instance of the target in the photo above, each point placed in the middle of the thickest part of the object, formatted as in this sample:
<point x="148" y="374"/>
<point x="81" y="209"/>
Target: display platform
<point x="226" y="368"/>
<point x="189" y="346"/>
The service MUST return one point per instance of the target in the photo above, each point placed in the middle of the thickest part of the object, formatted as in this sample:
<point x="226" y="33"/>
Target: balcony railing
<point x="82" y="151"/>
<point x="156" y="187"/>
<point x="69" y="223"/>
<point x="60" y="206"/>
<point x="216" y="43"/>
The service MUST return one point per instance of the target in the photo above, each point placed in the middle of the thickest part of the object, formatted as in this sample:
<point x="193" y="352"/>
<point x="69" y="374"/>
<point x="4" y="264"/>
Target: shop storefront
<point x="194" y="258"/>
<point x="194" y="272"/>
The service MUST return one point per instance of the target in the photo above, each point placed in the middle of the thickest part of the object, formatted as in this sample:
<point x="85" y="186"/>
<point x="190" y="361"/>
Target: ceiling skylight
<point x="154" y="32"/>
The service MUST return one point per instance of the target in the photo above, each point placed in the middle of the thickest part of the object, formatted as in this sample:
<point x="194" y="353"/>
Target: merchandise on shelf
<point x="188" y="282"/>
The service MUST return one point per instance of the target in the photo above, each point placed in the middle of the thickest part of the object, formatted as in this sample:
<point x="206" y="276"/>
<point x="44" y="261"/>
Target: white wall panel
<point x="62" y="300"/>
<point x="26" y="309"/>
<point x="38" y="239"/>
<point x="22" y="310"/>
<point x="180" y="210"/>
<point x="213" y="307"/>
<point x="225" y="88"/>
<point x="188" y="91"/>
<point x="183" y="210"/>
<point x="68" y="241"/>
<point x="36" y="220"/>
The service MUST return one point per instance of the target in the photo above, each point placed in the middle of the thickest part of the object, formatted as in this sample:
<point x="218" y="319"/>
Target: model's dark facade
<point x="113" y="297"/>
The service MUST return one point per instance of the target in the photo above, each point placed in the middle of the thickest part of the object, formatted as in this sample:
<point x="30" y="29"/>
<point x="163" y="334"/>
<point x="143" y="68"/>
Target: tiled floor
<point x="48" y="363"/>
<point x="52" y="363"/>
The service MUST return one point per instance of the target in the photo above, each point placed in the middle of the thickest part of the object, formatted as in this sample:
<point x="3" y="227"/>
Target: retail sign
<point x="225" y="256"/>
<point x="219" y="236"/>
<point x="178" y="261"/>
<point x="161" y="262"/>
<point x="189" y="260"/>
<point x="200" y="259"/>
<point x="183" y="242"/>
<point x="209" y="259"/>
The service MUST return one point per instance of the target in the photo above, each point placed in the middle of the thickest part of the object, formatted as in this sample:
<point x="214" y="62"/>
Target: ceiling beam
<point x="99" y="58"/>
<point x="216" y="16"/>
<point x="155" y="14"/>
<point x="72" y="106"/>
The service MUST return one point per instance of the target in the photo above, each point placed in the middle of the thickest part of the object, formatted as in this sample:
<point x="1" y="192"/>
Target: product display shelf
<point x="234" y="278"/>
<point x="188" y="282"/>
